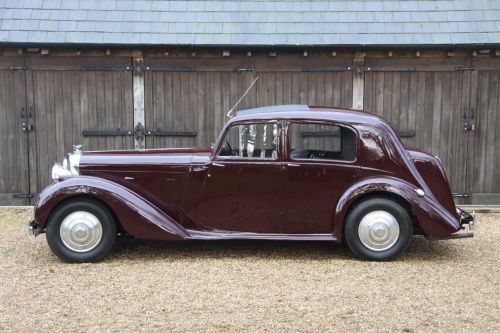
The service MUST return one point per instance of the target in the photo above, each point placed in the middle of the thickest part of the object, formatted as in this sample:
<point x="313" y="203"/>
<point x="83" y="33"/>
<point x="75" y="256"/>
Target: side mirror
<point x="212" y="146"/>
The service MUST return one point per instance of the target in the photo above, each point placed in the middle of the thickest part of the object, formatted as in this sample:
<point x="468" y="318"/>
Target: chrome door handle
<point x="293" y="164"/>
<point x="218" y="164"/>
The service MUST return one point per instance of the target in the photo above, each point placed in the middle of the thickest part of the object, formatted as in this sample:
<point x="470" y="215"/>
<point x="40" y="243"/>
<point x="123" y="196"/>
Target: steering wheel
<point x="233" y="153"/>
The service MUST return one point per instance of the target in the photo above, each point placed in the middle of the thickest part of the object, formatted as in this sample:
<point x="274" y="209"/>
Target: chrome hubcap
<point x="378" y="230"/>
<point x="81" y="231"/>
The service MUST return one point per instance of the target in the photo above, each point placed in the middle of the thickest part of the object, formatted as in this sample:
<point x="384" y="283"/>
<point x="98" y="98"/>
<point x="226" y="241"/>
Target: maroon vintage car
<point x="288" y="172"/>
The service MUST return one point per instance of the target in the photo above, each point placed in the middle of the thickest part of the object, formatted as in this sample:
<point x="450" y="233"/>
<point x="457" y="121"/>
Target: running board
<point x="458" y="235"/>
<point x="220" y="235"/>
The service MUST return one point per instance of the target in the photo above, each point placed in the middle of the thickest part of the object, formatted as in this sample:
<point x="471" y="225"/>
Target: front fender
<point x="432" y="217"/>
<point x="138" y="216"/>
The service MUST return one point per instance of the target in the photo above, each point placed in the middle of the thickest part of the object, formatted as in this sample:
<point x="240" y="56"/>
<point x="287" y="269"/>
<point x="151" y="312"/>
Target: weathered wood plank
<point x="412" y="93"/>
<point x="420" y="109"/>
<point x="210" y="135"/>
<point x="201" y="139"/>
<point x="496" y="150"/>
<point x="295" y="92"/>
<point x="491" y="116"/>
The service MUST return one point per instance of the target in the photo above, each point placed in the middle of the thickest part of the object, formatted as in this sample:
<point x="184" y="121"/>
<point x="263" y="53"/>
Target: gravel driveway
<point x="249" y="286"/>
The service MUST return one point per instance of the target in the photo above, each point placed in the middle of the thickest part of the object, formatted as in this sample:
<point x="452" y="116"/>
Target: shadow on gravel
<point x="130" y="249"/>
<point x="258" y="249"/>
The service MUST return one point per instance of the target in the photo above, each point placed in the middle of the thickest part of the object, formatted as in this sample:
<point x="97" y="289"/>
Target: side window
<point x="320" y="141"/>
<point x="251" y="141"/>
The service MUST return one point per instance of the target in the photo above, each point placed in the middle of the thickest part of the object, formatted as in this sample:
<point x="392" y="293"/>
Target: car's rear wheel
<point x="378" y="229"/>
<point x="81" y="230"/>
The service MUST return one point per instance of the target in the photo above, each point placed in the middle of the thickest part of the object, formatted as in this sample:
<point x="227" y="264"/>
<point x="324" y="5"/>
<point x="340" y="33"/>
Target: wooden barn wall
<point x="199" y="100"/>
<point x="14" y="177"/>
<point x="63" y="94"/>
<point x="429" y="97"/>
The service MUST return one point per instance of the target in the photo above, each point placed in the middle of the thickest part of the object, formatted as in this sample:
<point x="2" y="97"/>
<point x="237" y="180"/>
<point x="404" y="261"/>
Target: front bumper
<point x="465" y="219"/>
<point x="33" y="229"/>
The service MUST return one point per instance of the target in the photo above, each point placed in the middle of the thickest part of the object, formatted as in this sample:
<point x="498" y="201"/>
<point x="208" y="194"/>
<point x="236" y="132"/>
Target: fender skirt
<point x="432" y="217"/>
<point x="138" y="216"/>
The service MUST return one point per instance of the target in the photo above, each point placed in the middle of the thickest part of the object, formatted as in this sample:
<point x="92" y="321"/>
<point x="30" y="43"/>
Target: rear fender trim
<point x="432" y="217"/>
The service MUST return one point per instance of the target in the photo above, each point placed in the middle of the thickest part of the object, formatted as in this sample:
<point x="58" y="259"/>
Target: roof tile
<point x="32" y="3"/>
<point x="253" y="21"/>
<point x="56" y="36"/>
<point x="51" y="4"/>
<point x="11" y="25"/>
<point x="47" y="25"/>
<point x="66" y="25"/>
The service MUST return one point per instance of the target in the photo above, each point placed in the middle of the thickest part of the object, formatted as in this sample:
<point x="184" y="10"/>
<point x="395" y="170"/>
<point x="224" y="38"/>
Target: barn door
<point x="87" y="101"/>
<point x="185" y="107"/>
<point x="186" y="100"/>
<point x="15" y="127"/>
<point x="428" y="103"/>
<point x="484" y="135"/>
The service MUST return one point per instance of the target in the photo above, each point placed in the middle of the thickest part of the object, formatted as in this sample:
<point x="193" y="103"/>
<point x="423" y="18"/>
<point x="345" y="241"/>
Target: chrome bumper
<point x="33" y="229"/>
<point x="465" y="219"/>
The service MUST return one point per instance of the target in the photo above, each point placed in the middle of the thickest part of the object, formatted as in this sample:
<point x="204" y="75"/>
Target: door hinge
<point x="242" y="69"/>
<point x="149" y="68"/>
<point x="161" y="132"/>
<point x="464" y="68"/>
<point x="139" y="132"/>
<point x="17" y="68"/>
<point x="389" y="69"/>
<point x="23" y="195"/>
<point x="140" y="68"/>
<point x="329" y="69"/>
<point x="406" y="133"/>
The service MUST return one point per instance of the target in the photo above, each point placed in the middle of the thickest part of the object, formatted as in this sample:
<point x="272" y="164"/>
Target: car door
<point x="320" y="164"/>
<point x="243" y="190"/>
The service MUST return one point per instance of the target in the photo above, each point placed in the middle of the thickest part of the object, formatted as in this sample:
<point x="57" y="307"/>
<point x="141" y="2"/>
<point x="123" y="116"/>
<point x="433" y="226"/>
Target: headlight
<point x="59" y="171"/>
<point x="70" y="166"/>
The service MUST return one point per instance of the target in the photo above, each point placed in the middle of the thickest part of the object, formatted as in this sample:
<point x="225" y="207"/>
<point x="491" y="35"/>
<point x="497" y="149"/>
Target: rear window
<point x="321" y="142"/>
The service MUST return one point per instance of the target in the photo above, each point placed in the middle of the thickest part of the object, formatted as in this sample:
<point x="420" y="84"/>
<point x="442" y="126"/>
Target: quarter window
<point x="320" y="141"/>
<point x="251" y="141"/>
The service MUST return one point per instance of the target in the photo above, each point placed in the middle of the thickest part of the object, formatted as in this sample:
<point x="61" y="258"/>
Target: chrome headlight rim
<point x="70" y="166"/>
<point x="59" y="171"/>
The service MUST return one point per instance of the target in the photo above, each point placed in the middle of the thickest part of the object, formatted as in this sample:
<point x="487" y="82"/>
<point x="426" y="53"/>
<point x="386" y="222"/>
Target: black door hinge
<point x="139" y="68"/>
<point x="23" y="195"/>
<point x="464" y="68"/>
<point x="329" y="69"/>
<point x="17" y="68"/>
<point x="243" y="69"/>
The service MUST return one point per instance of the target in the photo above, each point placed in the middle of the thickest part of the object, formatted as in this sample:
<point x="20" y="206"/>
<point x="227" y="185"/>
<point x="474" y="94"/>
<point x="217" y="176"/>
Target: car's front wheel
<point x="378" y="229"/>
<point x="81" y="230"/>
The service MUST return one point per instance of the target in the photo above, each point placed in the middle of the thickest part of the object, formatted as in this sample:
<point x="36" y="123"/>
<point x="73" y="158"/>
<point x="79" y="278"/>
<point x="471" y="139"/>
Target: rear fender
<point x="139" y="217"/>
<point x="432" y="217"/>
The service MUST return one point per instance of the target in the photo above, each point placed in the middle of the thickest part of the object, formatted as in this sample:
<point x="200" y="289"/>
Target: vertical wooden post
<point x="358" y="81"/>
<point x="138" y="84"/>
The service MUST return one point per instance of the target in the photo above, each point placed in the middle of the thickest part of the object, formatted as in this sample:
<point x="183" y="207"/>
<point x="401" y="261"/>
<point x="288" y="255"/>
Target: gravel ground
<point x="249" y="286"/>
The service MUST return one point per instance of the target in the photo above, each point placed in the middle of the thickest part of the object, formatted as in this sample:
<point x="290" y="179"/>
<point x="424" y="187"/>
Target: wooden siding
<point x="67" y="101"/>
<point x="433" y="101"/>
<point x="431" y="96"/>
<point x="485" y="153"/>
<point x="14" y="153"/>
<point x="199" y="101"/>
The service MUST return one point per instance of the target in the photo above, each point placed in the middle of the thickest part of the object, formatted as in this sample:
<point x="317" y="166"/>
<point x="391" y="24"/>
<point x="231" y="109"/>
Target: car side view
<point x="287" y="172"/>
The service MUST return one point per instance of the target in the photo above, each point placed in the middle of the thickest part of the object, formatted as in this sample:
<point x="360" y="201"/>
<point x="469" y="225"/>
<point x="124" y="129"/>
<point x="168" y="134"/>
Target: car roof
<point x="301" y="111"/>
